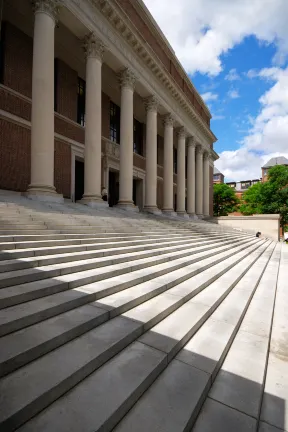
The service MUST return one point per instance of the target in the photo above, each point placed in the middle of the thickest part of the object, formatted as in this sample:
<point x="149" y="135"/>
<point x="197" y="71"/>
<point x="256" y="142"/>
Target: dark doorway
<point x="135" y="191"/>
<point x="113" y="195"/>
<point x="79" y="180"/>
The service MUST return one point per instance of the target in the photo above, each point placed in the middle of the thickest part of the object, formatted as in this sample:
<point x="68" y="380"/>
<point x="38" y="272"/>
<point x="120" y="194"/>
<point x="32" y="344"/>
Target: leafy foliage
<point x="270" y="197"/>
<point x="225" y="200"/>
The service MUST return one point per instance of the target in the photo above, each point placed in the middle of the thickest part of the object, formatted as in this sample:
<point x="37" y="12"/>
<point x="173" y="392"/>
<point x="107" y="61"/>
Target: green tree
<point x="225" y="200"/>
<point x="270" y="197"/>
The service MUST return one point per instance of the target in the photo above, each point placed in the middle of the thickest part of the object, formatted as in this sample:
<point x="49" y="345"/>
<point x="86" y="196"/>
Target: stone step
<point x="140" y="364"/>
<point x="43" y="272"/>
<point x="275" y="399"/>
<point x="91" y="244"/>
<point x="163" y="304"/>
<point x="10" y="264"/>
<point x="97" y="283"/>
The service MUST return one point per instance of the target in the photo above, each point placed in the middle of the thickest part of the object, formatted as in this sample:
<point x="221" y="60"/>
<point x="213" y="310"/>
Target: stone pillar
<point x="151" y="105"/>
<point x="127" y="81"/>
<point x="199" y="181"/>
<point x="94" y="50"/>
<point x="191" y="178"/>
<point x="181" y="211"/>
<point x="42" y="117"/>
<point x="206" y="184"/>
<point x="168" y="166"/>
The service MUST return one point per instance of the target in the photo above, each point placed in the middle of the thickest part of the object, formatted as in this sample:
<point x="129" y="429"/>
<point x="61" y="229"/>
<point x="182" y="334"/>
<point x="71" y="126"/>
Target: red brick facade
<point x="66" y="81"/>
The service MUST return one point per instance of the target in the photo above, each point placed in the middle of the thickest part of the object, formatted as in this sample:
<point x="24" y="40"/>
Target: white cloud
<point x="233" y="94"/>
<point x="200" y="31"/>
<point x="209" y="96"/>
<point x="268" y="134"/>
<point x="218" y="117"/>
<point x="232" y="75"/>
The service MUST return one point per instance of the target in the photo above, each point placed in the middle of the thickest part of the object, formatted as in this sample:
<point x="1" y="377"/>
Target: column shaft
<point x="191" y="177"/>
<point x="181" y="173"/>
<point x="151" y="156"/>
<point x="42" y="117"/>
<point x="206" y="186"/>
<point x="93" y="122"/>
<point x="168" y="166"/>
<point x="199" y="181"/>
<point x="126" y="140"/>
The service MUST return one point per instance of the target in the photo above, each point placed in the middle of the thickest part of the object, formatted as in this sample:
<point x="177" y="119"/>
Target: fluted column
<point x="42" y="117"/>
<point x="127" y="81"/>
<point x="94" y="50"/>
<point x="206" y="184"/>
<point x="191" y="177"/>
<point x="168" y="165"/>
<point x="151" y="105"/>
<point x="199" y="181"/>
<point x="181" y="172"/>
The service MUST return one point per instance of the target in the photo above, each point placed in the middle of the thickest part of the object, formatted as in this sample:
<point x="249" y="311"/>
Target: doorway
<point x="79" y="179"/>
<point x="138" y="193"/>
<point x="113" y="194"/>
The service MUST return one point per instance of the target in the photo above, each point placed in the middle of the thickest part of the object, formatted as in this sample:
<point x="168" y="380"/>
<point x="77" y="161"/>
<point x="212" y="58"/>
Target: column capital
<point x="181" y="132"/>
<point x="127" y="78"/>
<point x="151" y="103"/>
<point x="50" y="7"/>
<point x="93" y="46"/>
<point x="191" y="142"/>
<point x="206" y="155"/>
<point x="199" y="149"/>
<point x="168" y="120"/>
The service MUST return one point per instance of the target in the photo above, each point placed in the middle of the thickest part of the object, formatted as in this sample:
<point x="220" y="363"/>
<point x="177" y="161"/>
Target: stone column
<point x="168" y="165"/>
<point x="151" y="105"/>
<point x="94" y="50"/>
<point x="181" y="211"/>
<point x="191" y="178"/>
<point x="42" y="117"/>
<point x="199" y="181"/>
<point x="206" y="184"/>
<point x="127" y="81"/>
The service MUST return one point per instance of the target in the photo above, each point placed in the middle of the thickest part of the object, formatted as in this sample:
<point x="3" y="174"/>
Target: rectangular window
<point x="174" y="160"/>
<point x="216" y="177"/>
<point x="138" y="138"/>
<point x="114" y="122"/>
<point x="81" y="102"/>
<point x="245" y="185"/>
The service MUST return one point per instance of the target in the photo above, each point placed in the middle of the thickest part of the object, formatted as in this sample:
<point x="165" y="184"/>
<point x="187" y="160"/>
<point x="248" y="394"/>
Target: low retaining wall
<point x="268" y="224"/>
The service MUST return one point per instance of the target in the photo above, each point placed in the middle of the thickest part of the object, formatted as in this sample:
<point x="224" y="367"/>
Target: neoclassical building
<point x="93" y="99"/>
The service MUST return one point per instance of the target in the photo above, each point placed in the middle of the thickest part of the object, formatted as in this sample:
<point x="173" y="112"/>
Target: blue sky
<point x="235" y="53"/>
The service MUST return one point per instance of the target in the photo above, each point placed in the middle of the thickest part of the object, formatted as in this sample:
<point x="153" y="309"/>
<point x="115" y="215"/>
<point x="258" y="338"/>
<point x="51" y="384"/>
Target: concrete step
<point x="91" y="244"/>
<point x="125" y="299"/>
<point x="10" y="264"/>
<point x="97" y="284"/>
<point x="140" y="364"/>
<point x="157" y="255"/>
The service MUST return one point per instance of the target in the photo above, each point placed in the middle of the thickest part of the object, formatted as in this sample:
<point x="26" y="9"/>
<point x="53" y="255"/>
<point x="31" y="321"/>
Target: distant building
<point x="242" y="186"/>
<point x="280" y="160"/>
<point x="218" y="177"/>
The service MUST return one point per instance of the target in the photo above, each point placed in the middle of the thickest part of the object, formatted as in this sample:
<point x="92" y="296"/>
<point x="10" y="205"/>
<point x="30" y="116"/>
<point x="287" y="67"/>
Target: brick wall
<point x="14" y="156"/>
<point x="66" y="82"/>
<point x="14" y="104"/>
<point x="62" y="168"/>
<point x="18" y="54"/>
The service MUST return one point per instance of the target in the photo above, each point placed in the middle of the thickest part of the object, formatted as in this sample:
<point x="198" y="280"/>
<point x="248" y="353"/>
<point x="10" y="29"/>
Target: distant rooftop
<point x="281" y="160"/>
<point x="216" y="171"/>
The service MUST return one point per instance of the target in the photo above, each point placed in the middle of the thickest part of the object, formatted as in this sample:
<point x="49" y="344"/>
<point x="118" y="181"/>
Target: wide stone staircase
<point x="115" y="321"/>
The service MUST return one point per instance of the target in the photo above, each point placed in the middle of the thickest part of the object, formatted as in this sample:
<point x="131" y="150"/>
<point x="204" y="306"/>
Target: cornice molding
<point x="93" y="47"/>
<point x="123" y="26"/>
<point x="50" y="7"/>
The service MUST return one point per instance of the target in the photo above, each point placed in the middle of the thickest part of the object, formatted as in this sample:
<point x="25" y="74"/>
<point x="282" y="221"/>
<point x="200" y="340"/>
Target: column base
<point x="193" y="216"/>
<point x="183" y="215"/>
<point x="153" y="210"/>
<point x="169" y="212"/>
<point x="94" y="202"/>
<point x="43" y="193"/>
<point x="127" y="205"/>
<point x="200" y="216"/>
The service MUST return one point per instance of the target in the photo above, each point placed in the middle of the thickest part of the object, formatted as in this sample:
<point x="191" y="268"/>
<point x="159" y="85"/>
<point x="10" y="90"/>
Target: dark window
<point x="245" y="185"/>
<point x="114" y="122"/>
<point x="2" y="51"/>
<point x="55" y="83"/>
<point x="159" y="143"/>
<point x="138" y="137"/>
<point x="174" y="160"/>
<point x="81" y="102"/>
